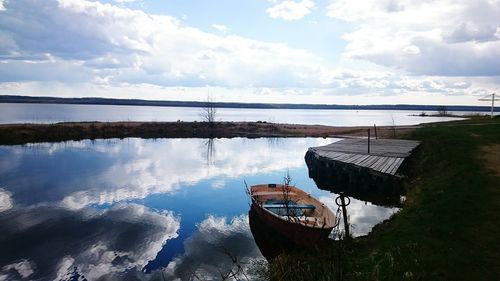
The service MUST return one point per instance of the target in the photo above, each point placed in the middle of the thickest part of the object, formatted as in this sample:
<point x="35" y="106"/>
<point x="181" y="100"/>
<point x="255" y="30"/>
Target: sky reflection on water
<point x="120" y="209"/>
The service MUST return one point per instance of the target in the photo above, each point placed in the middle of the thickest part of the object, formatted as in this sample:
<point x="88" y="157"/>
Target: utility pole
<point x="493" y="99"/>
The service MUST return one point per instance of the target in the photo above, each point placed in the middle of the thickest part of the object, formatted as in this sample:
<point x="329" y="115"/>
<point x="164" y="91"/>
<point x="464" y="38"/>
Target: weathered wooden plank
<point x="385" y="164"/>
<point x="371" y="161"/>
<point x="379" y="163"/>
<point x="344" y="157"/>
<point x="376" y="165"/>
<point x="389" y="167"/>
<point x="350" y="158"/>
<point x="333" y="155"/>
<point x="368" y="161"/>
<point x="396" y="167"/>
<point x="393" y="165"/>
<point x="380" y="147"/>
<point x="354" y="158"/>
<point x="336" y="156"/>
<point x="360" y="160"/>
<point x="374" y="152"/>
<point x="388" y="163"/>
<point x="392" y="142"/>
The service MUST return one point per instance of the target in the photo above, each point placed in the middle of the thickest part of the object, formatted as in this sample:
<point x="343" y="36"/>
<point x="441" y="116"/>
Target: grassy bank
<point x="448" y="228"/>
<point x="30" y="133"/>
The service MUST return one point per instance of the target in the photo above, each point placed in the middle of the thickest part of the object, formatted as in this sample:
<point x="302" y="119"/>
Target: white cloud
<point x="340" y="87"/>
<point x="448" y="38"/>
<point x="127" y="1"/>
<point x="221" y="28"/>
<point x="412" y="50"/>
<point x="291" y="10"/>
<point x="79" y="47"/>
<point x="117" y="44"/>
<point x="470" y="31"/>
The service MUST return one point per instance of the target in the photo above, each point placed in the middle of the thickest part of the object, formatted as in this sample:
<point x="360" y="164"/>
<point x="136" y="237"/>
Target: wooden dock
<point x="385" y="156"/>
<point x="372" y="176"/>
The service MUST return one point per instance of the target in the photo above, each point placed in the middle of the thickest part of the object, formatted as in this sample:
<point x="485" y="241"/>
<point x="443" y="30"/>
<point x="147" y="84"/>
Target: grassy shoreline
<point x="30" y="133"/>
<point x="448" y="228"/>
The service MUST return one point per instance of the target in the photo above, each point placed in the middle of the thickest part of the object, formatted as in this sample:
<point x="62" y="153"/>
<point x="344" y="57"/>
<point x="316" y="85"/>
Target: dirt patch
<point x="491" y="155"/>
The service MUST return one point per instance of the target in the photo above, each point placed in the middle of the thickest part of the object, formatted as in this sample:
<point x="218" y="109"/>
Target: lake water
<point x="52" y="113"/>
<point x="125" y="209"/>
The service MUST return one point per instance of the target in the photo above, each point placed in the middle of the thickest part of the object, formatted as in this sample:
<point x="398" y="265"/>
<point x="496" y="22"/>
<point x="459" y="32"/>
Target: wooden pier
<point x="350" y="165"/>
<point x="385" y="156"/>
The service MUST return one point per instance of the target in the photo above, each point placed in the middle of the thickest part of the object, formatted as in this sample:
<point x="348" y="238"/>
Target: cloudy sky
<point x="296" y="51"/>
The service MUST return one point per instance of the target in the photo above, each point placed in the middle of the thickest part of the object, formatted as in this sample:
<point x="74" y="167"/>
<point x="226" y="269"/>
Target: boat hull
<point x="270" y="242"/>
<point x="302" y="235"/>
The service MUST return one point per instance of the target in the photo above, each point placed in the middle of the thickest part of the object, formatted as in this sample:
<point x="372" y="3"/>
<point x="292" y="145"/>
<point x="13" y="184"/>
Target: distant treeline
<point x="107" y="101"/>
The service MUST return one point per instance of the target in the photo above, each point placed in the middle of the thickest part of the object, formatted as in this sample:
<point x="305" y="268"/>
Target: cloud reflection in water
<point x="48" y="242"/>
<point x="210" y="250"/>
<point x="78" y="174"/>
<point x="5" y="200"/>
<point x="362" y="215"/>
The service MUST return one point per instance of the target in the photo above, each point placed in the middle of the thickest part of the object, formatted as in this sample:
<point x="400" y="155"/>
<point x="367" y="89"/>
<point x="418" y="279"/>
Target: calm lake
<point x="139" y="209"/>
<point x="52" y="113"/>
<point x="126" y="209"/>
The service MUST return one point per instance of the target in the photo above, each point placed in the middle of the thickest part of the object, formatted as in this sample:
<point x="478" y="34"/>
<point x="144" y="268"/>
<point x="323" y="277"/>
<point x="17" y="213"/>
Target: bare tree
<point x="442" y="110"/>
<point x="209" y="112"/>
<point x="290" y="212"/>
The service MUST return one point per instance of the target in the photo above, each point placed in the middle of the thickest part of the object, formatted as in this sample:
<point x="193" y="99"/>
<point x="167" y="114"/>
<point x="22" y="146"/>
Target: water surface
<point x="123" y="209"/>
<point x="52" y="113"/>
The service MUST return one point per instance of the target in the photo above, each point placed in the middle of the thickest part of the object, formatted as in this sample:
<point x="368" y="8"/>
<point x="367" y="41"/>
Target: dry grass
<point x="29" y="133"/>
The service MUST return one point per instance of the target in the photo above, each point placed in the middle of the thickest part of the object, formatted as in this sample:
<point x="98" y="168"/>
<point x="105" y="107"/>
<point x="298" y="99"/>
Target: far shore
<point x="11" y="134"/>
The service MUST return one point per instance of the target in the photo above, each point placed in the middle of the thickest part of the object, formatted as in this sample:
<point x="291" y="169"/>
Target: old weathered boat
<point x="295" y="214"/>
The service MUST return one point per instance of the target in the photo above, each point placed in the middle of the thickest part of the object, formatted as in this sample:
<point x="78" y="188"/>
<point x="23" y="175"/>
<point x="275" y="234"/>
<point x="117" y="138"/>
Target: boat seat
<point x="271" y="193"/>
<point x="291" y="206"/>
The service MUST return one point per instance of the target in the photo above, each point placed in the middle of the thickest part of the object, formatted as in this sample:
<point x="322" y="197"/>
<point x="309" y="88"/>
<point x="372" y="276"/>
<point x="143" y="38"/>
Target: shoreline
<point x="202" y="104"/>
<point x="446" y="229"/>
<point x="14" y="134"/>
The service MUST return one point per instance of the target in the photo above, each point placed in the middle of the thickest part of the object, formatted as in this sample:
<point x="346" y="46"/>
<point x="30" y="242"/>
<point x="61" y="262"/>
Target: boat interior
<point x="293" y="204"/>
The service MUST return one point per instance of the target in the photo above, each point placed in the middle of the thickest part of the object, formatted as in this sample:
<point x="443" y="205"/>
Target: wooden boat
<point x="295" y="214"/>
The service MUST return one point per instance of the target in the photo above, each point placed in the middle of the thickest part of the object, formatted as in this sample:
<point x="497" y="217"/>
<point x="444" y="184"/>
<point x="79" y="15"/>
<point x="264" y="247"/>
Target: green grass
<point x="449" y="228"/>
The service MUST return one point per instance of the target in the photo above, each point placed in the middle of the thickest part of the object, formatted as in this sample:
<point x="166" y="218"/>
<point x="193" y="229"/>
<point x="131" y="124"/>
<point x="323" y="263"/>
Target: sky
<point x="292" y="51"/>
